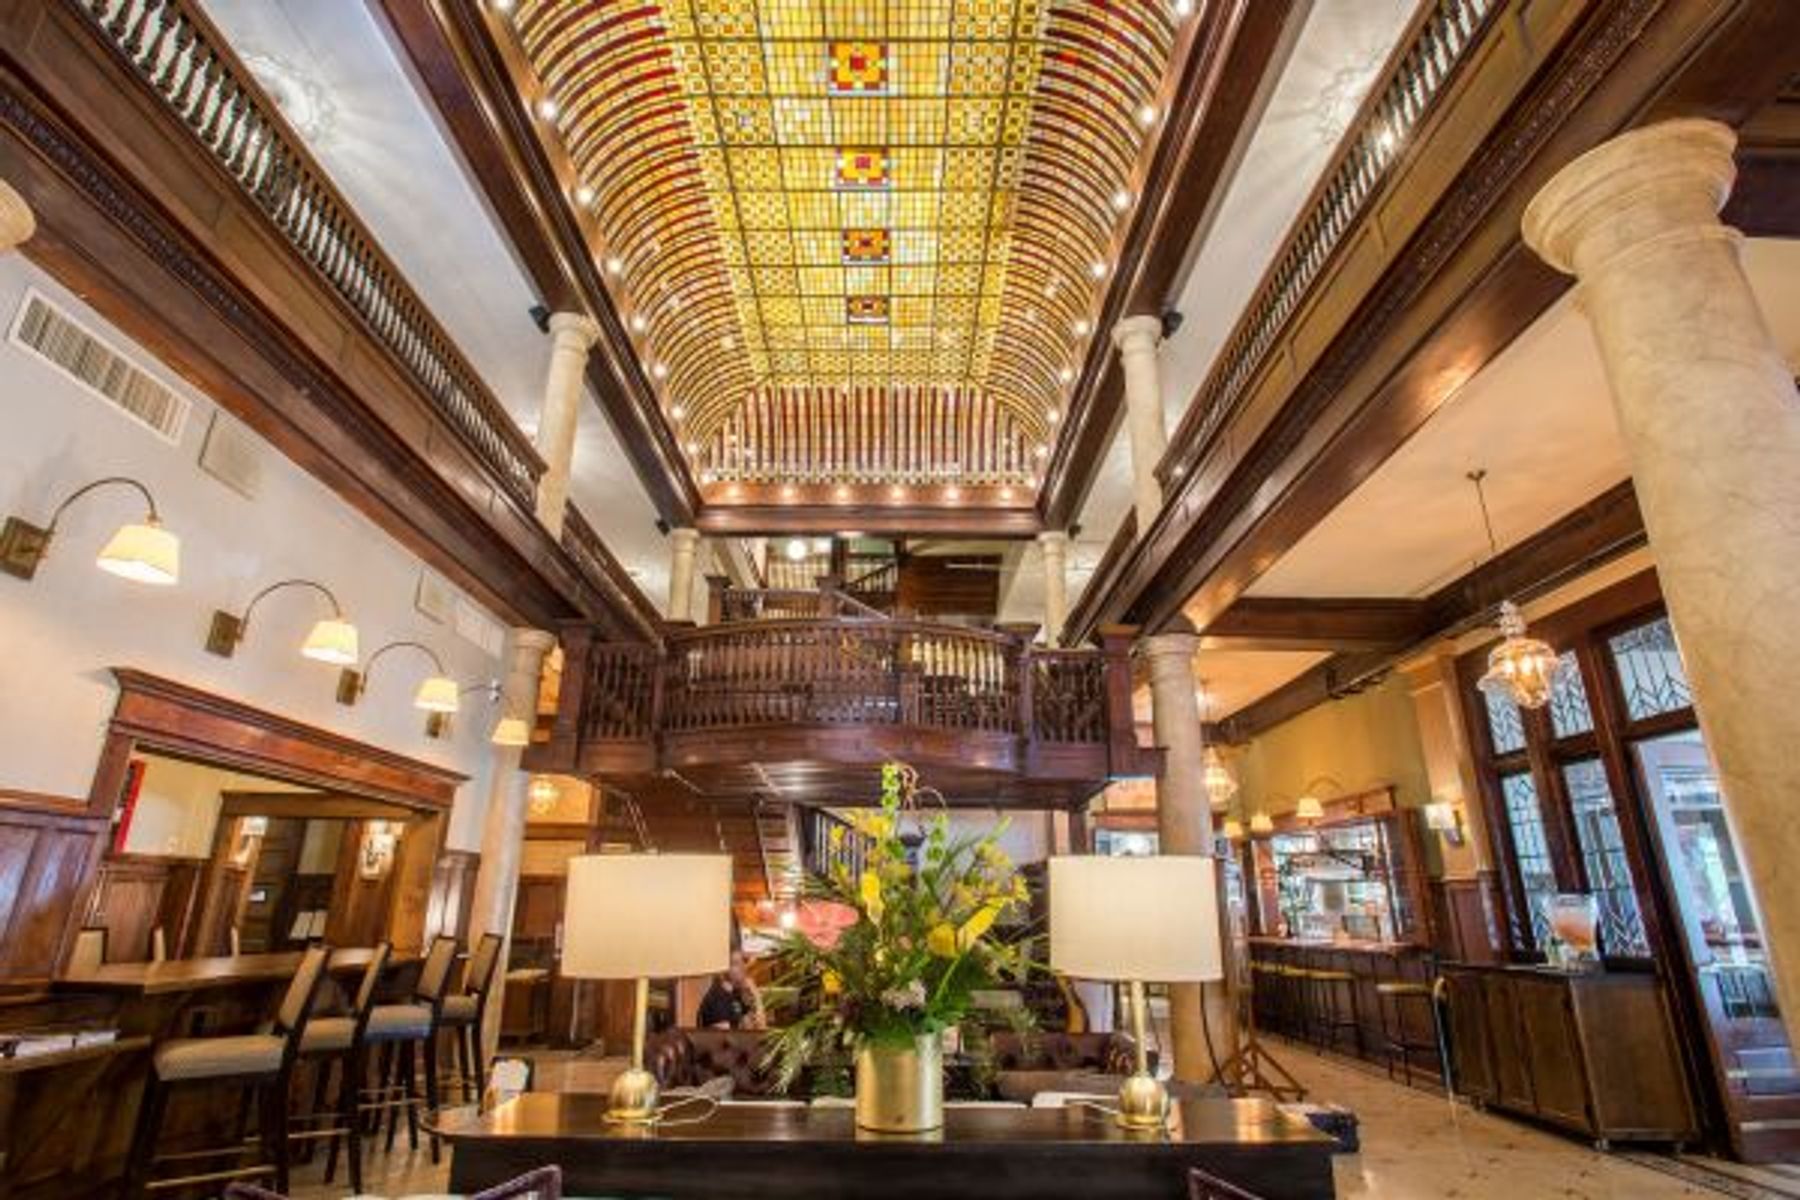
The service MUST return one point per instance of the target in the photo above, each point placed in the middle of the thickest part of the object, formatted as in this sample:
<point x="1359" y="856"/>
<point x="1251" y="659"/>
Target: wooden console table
<point x="753" y="1152"/>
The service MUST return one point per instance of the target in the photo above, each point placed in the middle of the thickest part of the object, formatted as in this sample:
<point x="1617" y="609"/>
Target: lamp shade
<point x="1261" y="822"/>
<point x="511" y="731"/>
<point x="1309" y="808"/>
<point x="1153" y="919"/>
<point x="647" y="916"/>
<point x="145" y="553"/>
<point x="333" y="641"/>
<point x="437" y="694"/>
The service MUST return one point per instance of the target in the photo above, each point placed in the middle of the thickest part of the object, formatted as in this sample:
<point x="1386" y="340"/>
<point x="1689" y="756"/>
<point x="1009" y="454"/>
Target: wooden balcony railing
<point x="186" y="64"/>
<point x="1417" y="77"/>
<point x="629" y="700"/>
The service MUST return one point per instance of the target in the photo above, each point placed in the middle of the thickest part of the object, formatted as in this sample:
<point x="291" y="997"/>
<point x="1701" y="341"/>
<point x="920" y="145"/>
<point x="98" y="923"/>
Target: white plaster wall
<point x="63" y="630"/>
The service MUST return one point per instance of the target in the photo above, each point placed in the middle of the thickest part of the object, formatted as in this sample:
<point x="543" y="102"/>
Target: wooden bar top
<point x="1351" y="945"/>
<point x="203" y="974"/>
<point x="752" y="1152"/>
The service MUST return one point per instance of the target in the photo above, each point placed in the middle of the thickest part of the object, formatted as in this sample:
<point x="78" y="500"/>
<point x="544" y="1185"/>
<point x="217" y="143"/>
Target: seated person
<point x="732" y="1002"/>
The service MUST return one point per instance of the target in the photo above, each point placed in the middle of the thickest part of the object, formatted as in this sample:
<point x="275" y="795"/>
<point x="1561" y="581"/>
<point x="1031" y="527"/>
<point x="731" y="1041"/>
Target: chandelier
<point x="1521" y="668"/>
<point x="1216" y="777"/>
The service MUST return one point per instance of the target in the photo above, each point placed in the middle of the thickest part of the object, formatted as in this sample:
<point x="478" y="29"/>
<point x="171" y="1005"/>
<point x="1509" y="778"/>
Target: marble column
<point x="571" y="337"/>
<point x="684" y="545"/>
<point x="503" y="827"/>
<point x="1184" y="826"/>
<point x="17" y="223"/>
<point x="1710" y="419"/>
<point x="1053" y="544"/>
<point x="1137" y="340"/>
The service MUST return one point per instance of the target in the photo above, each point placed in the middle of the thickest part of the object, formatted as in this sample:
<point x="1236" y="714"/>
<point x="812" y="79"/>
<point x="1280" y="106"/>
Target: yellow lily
<point x="869" y="888"/>
<point x="941" y="941"/>
<point x="975" y="926"/>
<point x="832" y="982"/>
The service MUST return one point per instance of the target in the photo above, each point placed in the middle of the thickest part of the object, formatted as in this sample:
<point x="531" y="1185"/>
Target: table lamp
<point x="1136" y="920"/>
<point x="642" y="917"/>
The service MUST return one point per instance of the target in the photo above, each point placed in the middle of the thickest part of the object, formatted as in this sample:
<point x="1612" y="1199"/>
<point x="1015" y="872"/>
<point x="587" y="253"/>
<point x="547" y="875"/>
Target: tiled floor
<point x="1415" y="1146"/>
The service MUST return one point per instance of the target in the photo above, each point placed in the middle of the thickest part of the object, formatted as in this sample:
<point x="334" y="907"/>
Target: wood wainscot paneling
<point x="137" y="894"/>
<point x="1466" y="927"/>
<point x="49" y="847"/>
<point x="452" y="894"/>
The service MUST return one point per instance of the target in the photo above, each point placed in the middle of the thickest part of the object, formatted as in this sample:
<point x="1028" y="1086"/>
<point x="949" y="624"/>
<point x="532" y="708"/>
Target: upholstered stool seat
<point x="247" y="1054"/>
<point x="399" y="1022"/>
<point x="460" y="1010"/>
<point x="462" y="1015"/>
<point x="328" y="1035"/>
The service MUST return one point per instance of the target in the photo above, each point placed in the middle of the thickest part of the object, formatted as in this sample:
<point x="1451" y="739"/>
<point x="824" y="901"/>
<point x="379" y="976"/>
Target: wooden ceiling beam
<point x="1228" y="67"/>
<point x="1603" y="529"/>
<point x="1308" y="623"/>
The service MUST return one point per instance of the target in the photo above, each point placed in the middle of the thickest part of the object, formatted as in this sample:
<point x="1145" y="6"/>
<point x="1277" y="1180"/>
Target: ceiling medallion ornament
<point x="1521" y="668"/>
<point x="828" y="219"/>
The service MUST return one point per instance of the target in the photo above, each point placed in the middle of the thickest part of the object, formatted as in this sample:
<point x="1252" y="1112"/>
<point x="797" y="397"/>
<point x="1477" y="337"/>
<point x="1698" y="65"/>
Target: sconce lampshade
<point x="1233" y="829"/>
<point x="647" y="916"/>
<point x="437" y="694"/>
<point x="1261" y="823"/>
<point x="1440" y="815"/>
<point x="145" y="553"/>
<point x="511" y="731"/>
<point x="1152" y="919"/>
<point x="1309" y="808"/>
<point x="333" y="641"/>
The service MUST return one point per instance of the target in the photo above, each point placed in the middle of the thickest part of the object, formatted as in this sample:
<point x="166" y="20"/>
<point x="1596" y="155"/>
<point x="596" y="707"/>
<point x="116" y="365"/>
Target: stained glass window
<point x="1569" y="712"/>
<point x="1603" y="853"/>
<point x="1650" y="671"/>
<point x="1532" y="852"/>
<point x="869" y="195"/>
<point x="1506" y="725"/>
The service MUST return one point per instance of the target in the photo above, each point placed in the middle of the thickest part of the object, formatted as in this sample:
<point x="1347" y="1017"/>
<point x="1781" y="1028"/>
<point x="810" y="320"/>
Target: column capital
<point x="684" y="537"/>
<point x="17" y="223"/>
<point x="574" y="328"/>
<point x="1163" y="649"/>
<point x="534" y="641"/>
<point x="1137" y="334"/>
<point x="1663" y="181"/>
<point x="1054" y="537"/>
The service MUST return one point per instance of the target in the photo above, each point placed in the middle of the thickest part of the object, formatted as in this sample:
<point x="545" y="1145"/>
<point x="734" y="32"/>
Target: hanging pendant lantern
<point x="1521" y="668"/>
<point x="1216" y="777"/>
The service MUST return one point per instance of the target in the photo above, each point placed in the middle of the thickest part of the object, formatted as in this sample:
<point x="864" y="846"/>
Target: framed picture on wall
<point x="377" y="851"/>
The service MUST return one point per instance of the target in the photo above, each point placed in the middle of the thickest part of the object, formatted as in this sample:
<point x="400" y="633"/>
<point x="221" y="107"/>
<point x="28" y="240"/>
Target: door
<point x="1723" y="940"/>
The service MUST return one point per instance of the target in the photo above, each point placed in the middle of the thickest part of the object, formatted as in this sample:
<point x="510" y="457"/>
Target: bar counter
<point x="1371" y="964"/>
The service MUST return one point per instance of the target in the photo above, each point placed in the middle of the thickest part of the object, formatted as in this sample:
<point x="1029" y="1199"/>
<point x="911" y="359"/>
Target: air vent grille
<point x="61" y="341"/>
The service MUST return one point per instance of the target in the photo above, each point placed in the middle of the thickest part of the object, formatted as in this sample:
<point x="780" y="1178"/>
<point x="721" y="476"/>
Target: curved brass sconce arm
<point x="228" y="629"/>
<point x="23" y="545"/>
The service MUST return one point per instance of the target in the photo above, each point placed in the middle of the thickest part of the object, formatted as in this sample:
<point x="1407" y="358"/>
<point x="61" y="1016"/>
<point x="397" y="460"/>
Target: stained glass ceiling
<point x="855" y="227"/>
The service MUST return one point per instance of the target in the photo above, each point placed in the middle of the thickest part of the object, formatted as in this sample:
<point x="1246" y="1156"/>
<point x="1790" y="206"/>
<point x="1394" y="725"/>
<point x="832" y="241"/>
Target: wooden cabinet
<point x="1591" y="1053"/>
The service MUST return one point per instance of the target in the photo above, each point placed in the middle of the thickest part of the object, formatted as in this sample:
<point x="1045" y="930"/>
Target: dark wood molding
<point x="1453" y="298"/>
<point x="310" y="806"/>
<point x="1598" y="532"/>
<point x="1227" y="66"/>
<point x="752" y="520"/>
<point x="470" y="76"/>
<point x="161" y="715"/>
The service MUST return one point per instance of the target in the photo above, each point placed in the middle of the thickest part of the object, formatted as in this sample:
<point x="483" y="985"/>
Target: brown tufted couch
<point x="692" y="1057"/>
<point x="1025" y="1064"/>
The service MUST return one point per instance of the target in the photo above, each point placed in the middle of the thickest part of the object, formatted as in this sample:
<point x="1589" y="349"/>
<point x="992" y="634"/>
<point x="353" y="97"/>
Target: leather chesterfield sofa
<point x="692" y="1058"/>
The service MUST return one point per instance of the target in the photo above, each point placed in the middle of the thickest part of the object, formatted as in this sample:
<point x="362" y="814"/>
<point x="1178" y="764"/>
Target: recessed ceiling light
<point x="896" y="492"/>
<point x="638" y="323"/>
<point x="615" y="265"/>
<point x="1083" y="327"/>
<point x="728" y="342"/>
<point x="660" y="370"/>
<point x="1041" y="450"/>
<point x="1184" y="8"/>
<point x="1147" y="115"/>
<point x="842" y="492"/>
<point x="1053" y="416"/>
<point x="1006" y="493"/>
<point x="504" y="6"/>
<point x="678" y="412"/>
<point x="1121" y="200"/>
<point x="1066" y="375"/>
<point x="1097" y="269"/>
<point x="707" y="477"/>
<point x="953" y="492"/>
<point x="693" y="447"/>
<point x="546" y="108"/>
<point x="584" y="194"/>
<point x="787" y="491"/>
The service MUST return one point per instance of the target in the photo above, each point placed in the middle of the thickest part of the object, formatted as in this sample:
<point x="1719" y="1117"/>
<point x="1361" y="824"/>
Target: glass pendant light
<point x="1215" y="776"/>
<point x="1521" y="668"/>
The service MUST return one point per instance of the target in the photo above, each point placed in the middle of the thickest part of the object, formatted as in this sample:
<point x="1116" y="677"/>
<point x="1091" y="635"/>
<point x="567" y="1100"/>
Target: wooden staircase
<point x="671" y="818"/>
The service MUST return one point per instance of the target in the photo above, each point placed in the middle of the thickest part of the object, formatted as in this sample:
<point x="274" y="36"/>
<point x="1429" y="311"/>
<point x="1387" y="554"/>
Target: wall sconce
<point x="1444" y="817"/>
<point x="1309" y="807"/>
<point x="437" y="724"/>
<point x="512" y="732"/>
<point x="543" y="794"/>
<point x="332" y="640"/>
<point x="142" y="553"/>
<point x="437" y="694"/>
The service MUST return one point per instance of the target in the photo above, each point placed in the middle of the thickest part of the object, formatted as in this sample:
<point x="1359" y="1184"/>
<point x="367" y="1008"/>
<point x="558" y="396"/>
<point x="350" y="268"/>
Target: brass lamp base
<point x="633" y="1098"/>
<point x="1143" y="1103"/>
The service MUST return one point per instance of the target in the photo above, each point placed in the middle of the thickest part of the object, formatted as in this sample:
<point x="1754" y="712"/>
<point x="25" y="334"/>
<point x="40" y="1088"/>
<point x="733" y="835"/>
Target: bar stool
<point x="1334" y="1006"/>
<point x="1402" y="1039"/>
<point x="263" y="1061"/>
<point x="404" y="1033"/>
<point x="463" y="1015"/>
<point x="336" y="1044"/>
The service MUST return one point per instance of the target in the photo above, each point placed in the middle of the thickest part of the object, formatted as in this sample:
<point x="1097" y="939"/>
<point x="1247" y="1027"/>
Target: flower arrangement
<point x="895" y="949"/>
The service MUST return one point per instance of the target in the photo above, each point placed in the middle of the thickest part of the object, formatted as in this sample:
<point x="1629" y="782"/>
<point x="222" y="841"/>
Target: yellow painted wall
<point x="1364" y="741"/>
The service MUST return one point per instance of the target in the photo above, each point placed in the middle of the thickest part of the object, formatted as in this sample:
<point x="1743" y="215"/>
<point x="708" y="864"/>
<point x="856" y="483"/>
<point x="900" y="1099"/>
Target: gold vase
<point x="901" y="1090"/>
